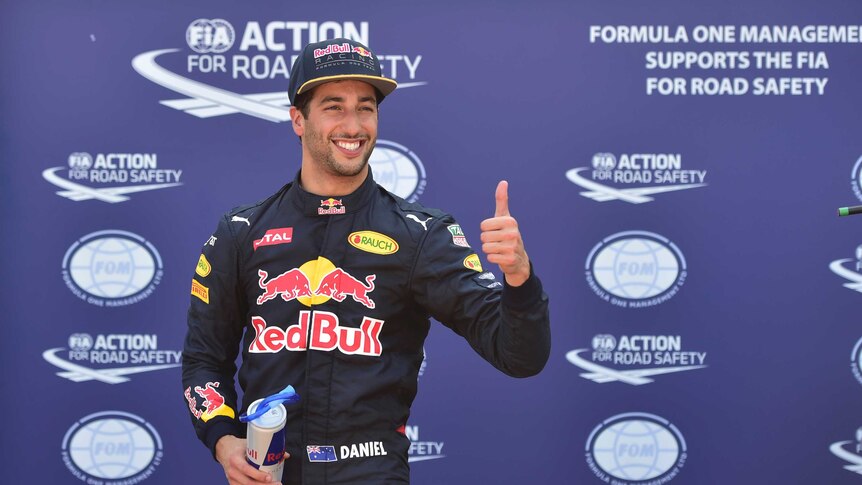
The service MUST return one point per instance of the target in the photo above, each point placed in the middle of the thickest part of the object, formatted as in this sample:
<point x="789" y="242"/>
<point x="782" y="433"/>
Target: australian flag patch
<point x="320" y="453"/>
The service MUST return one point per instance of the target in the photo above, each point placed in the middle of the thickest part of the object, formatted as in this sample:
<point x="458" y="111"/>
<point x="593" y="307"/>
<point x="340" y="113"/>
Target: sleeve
<point x="215" y="326"/>
<point x="508" y="326"/>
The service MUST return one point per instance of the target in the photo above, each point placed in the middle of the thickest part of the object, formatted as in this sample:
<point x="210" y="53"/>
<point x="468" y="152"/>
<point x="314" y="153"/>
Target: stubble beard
<point x="321" y="150"/>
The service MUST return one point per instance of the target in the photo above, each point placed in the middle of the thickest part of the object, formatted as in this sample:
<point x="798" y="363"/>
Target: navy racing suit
<point x="333" y="295"/>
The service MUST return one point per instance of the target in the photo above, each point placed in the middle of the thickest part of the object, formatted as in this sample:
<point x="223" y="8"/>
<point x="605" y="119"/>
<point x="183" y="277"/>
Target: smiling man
<point x="328" y="285"/>
<point x="338" y="128"/>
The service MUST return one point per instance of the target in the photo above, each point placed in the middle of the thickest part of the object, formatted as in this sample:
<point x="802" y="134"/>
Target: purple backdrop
<point x="675" y="169"/>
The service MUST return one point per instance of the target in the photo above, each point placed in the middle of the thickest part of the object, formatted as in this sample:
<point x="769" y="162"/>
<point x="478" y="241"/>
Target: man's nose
<point x="351" y="123"/>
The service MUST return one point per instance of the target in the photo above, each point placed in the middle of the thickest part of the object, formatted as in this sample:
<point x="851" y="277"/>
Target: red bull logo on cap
<point x="342" y="48"/>
<point x="362" y="51"/>
<point x="327" y="281"/>
<point x="325" y="334"/>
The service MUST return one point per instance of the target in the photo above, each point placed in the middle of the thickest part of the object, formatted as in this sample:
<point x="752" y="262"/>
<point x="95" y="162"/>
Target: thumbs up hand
<point x="501" y="240"/>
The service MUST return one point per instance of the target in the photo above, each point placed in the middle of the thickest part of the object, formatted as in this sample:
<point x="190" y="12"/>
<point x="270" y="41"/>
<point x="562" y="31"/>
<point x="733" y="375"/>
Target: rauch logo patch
<point x="373" y="242"/>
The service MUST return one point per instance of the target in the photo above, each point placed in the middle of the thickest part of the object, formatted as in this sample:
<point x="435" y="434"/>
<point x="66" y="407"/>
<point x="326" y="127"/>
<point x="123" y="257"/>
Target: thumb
<point x="502" y="198"/>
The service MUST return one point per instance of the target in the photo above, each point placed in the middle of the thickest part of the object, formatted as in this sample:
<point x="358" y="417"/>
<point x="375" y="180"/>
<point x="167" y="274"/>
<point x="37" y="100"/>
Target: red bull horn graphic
<point x="327" y="281"/>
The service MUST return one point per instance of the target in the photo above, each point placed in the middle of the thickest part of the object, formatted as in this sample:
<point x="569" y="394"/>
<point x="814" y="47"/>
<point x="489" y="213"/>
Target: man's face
<point x="341" y="129"/>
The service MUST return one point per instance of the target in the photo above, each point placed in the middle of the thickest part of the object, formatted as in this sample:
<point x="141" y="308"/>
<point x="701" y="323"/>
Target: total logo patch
<point x="112" y="448"/>
<point x="373" y="242"/>
<point x="203" y="268"/>
<point x="636" y="448"/>
<point x="635" y="269"/>
<point x="282" y="235"/>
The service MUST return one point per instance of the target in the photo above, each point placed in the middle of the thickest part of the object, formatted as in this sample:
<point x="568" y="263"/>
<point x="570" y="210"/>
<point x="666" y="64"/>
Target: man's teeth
<point x="348" y="145"/>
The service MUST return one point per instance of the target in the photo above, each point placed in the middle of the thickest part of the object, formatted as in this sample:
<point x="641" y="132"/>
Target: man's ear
<point x="297" y="120"/>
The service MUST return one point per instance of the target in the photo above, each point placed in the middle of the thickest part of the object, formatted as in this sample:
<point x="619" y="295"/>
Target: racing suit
<point x="333" y="295"/>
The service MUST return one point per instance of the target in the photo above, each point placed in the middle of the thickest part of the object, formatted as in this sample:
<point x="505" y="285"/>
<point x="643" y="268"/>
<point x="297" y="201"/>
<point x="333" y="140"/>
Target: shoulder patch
<point x="458" y="237"/>
<point x="203" y="269"/>
<point x="472" y="262"/>
<point x="487" y="280"/>
<point x="200" y="291"/>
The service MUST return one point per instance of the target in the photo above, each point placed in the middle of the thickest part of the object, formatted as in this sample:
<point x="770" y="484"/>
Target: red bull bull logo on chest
<point x="327" y="281"/>
<point x="289" y="285"/>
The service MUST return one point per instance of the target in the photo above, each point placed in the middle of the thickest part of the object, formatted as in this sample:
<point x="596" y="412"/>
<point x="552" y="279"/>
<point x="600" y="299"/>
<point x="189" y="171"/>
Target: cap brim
<point x="384" y="84"/>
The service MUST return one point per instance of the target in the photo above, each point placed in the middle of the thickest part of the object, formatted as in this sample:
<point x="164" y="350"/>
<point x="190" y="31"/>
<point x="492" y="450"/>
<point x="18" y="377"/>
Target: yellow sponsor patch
<point x="472" y="262"/>
<point x="204" y="267"/>
<point x="373" y="242"/>
<point x="200" y="291"/>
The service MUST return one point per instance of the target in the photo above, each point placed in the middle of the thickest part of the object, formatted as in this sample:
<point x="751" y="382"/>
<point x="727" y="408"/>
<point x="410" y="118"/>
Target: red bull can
<point x="265" y="440"/>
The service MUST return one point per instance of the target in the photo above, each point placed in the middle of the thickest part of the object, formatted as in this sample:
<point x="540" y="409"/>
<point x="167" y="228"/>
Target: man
<point x="333" y="280"/>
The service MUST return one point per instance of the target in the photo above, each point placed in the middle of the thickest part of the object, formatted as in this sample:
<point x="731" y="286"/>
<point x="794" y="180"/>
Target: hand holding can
<point x="265" y="433"/>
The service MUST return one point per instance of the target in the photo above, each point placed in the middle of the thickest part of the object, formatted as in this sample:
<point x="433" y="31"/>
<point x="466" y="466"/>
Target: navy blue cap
<point x="336" y="60"/>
